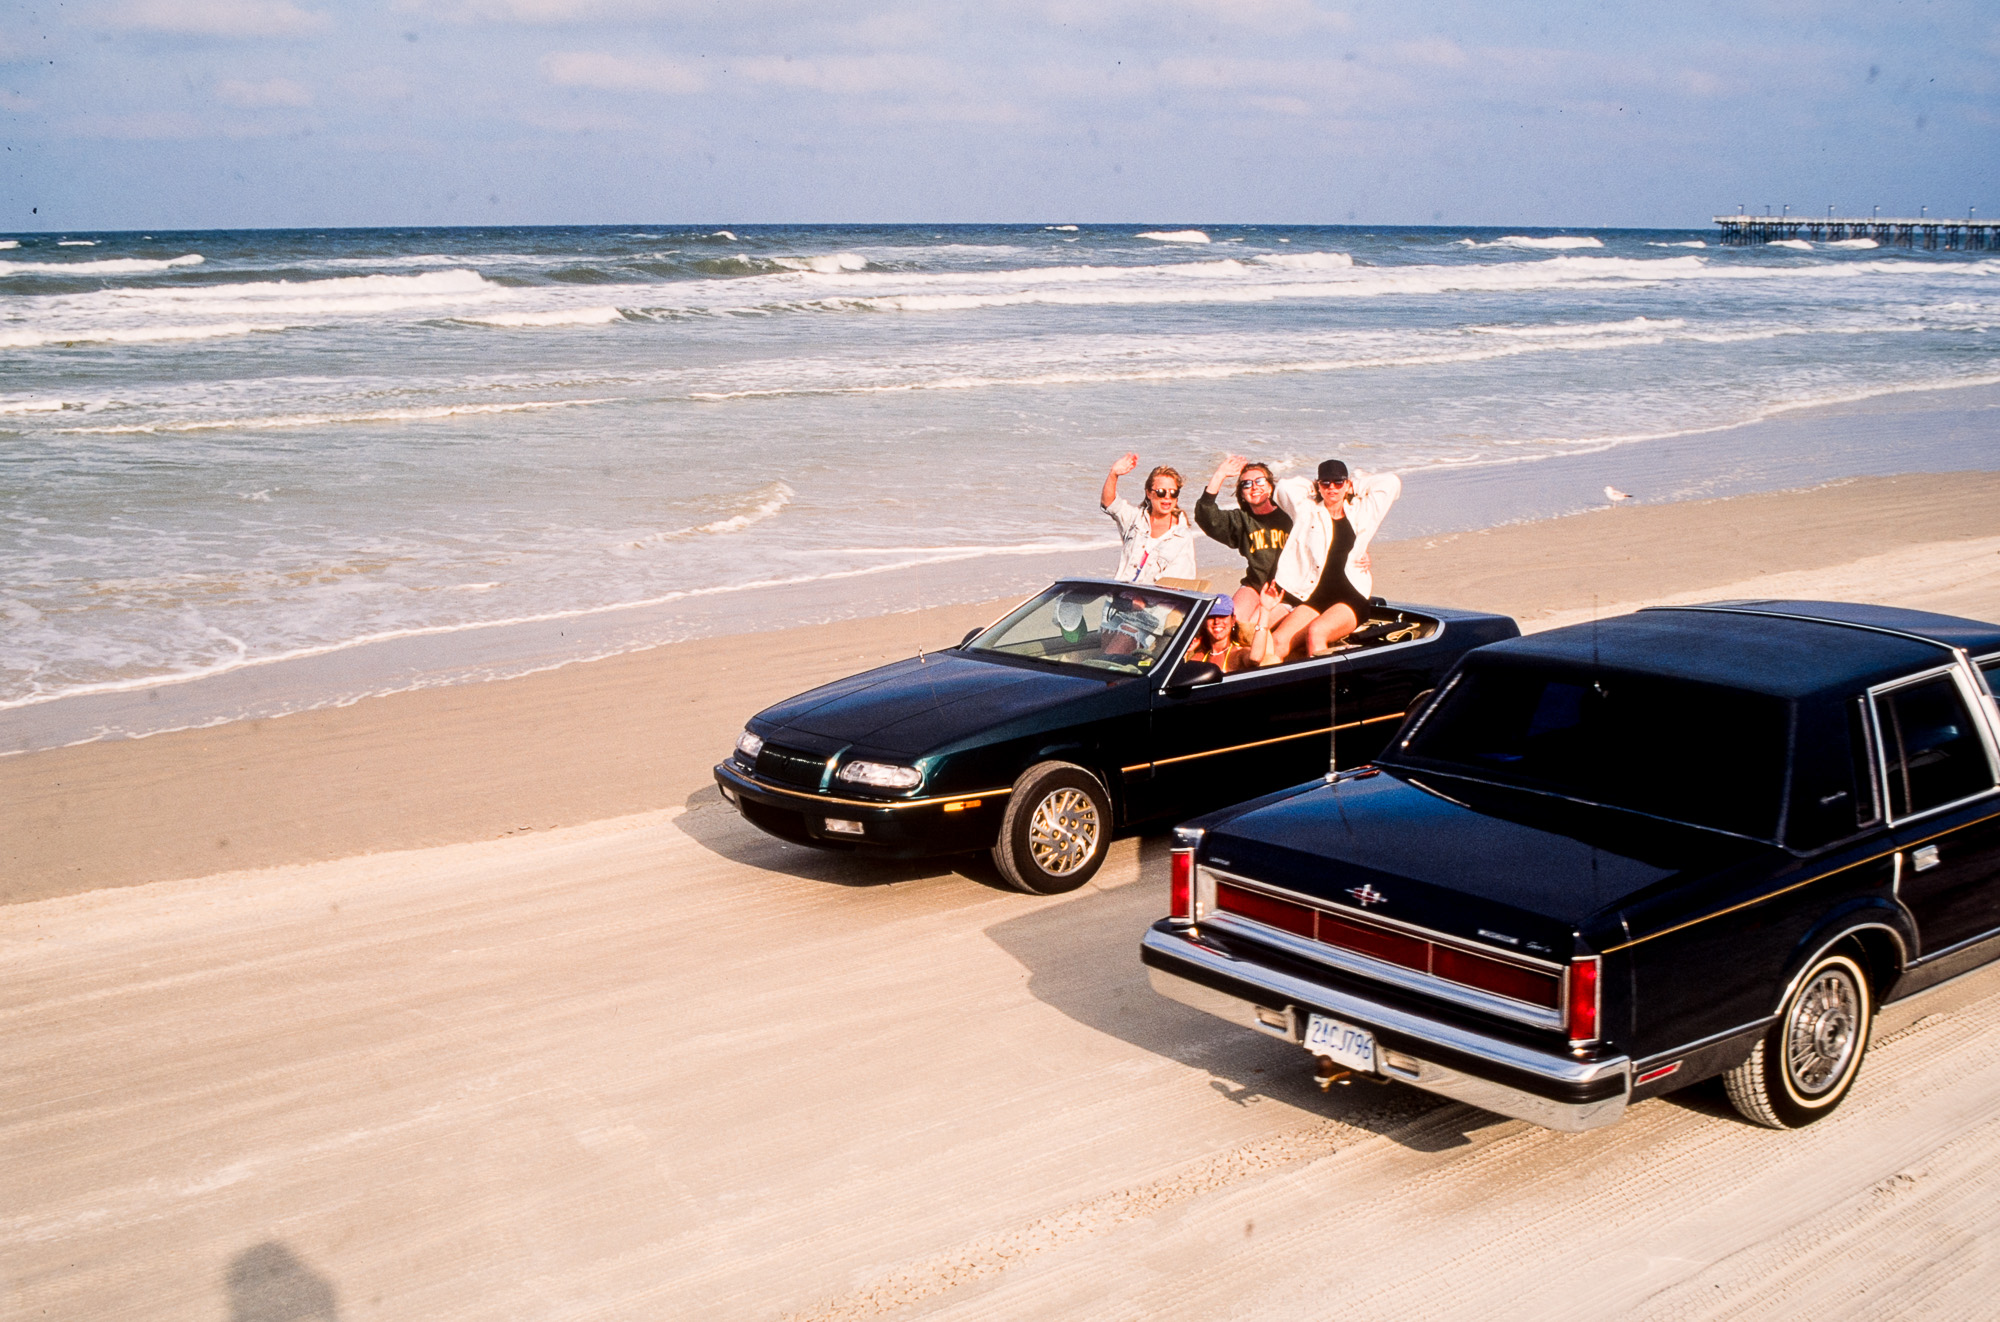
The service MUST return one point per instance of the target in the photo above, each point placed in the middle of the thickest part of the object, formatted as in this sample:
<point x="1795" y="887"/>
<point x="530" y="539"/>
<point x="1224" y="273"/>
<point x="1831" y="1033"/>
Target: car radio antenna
<point x="1332" y="717"/>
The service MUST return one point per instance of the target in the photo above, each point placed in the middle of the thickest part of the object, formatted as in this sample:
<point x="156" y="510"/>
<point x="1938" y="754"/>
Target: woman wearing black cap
<point x="1322" y="571"/>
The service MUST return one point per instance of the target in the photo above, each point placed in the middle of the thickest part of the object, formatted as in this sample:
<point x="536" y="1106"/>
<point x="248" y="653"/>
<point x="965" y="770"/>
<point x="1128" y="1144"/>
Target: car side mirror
<point x="1192" y="675"/>
<point x="970" y="634"/>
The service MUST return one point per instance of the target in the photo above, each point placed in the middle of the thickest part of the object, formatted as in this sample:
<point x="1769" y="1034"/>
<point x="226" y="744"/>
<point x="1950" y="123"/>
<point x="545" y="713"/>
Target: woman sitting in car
<point x="1219" y="645"/>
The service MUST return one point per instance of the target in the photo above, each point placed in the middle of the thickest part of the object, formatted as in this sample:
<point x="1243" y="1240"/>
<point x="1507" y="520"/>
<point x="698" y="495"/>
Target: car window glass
<point x="1931" y="748"/>
<point x="1105" y="628"/>
<point x="1690" y="752"/>
<point x="1833" y="776"/>
<point x="1990" y="668"/>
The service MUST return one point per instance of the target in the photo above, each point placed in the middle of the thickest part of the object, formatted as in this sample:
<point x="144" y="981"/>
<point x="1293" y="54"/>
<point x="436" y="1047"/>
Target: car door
<point x="1243" y="735"/>
<point x="1941" y="780"/>
<point x="1261" y="730"/>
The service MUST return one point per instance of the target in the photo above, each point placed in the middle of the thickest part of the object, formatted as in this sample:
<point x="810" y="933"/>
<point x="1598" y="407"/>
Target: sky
<point x="199" y="114"/>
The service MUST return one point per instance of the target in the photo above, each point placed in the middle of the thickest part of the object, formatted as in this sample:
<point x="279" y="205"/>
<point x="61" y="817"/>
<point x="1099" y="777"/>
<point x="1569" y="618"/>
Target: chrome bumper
<point x="1556" y="1092"/>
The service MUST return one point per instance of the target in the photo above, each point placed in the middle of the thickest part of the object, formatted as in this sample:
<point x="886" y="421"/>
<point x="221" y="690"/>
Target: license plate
<point x="1347" y="1045"/>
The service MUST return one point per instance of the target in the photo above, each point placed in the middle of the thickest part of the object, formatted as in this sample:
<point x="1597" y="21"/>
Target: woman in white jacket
<point x="1322" y="571"/>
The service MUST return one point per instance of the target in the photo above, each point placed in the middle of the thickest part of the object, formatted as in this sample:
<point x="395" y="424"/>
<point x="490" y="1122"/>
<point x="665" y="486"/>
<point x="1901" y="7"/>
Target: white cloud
<point x="859" y="75"/>
<point x="623" y="73"/>
<point x="15" y="101"/>
<point x="254" y="96"/>
<point x="851" y="75"/>
<point x="217" y="18"/>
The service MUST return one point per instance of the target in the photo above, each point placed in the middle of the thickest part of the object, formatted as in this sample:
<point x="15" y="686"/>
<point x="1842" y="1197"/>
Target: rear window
<point x="1689" y="752"/>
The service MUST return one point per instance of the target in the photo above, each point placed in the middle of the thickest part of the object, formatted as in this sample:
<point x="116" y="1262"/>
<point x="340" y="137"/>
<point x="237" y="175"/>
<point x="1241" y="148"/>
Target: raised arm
<point x="1226" y="472"/>
<point x="1374" y="493"/>
<point x="1125" y="464"/>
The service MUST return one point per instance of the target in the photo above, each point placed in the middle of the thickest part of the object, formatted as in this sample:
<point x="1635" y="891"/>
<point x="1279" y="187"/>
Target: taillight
<point x="1180" y="890"/>
<point x="1583" y="1000"/>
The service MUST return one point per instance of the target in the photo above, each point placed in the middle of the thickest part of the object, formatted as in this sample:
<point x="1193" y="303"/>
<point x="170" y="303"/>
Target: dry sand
<point x="663" y="1066"/>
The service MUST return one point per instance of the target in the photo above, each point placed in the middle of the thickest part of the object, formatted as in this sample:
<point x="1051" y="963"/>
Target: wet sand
<point x="639" y="732"/>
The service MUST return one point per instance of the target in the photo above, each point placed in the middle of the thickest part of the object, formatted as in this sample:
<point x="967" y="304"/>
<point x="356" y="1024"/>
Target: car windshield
<point x="1101" y="626"/>
<point x="1688" y="752"/>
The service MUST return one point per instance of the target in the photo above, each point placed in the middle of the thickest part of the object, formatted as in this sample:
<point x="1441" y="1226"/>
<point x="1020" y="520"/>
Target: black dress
<point x="1333" y="586"/>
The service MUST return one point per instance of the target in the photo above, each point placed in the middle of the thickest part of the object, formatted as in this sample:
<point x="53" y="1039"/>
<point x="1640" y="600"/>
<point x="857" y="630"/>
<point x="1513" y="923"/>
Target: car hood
<point x="1471" y="860"/>
<point x="917" y="705"/>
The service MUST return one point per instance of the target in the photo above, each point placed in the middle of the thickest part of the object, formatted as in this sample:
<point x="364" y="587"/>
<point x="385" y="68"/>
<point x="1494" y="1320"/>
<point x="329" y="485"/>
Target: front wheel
<point x="1804" y="1066"/>
<point x="1056" y="830"/>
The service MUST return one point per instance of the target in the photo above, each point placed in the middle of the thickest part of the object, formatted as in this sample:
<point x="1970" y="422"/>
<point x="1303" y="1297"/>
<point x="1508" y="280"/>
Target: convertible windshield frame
<point x="1108" y="628"/>
<point x="1730" y="772"/>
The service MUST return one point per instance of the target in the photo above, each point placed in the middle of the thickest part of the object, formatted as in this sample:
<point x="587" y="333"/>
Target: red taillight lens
<point x="1496" y="976"/>
<point x="1583" y="1000"/>
<point x="1180" y="890"/>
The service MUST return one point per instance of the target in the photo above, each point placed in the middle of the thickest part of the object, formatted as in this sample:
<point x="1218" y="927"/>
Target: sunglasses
<point x="1165" y="494"/>
<point x="1255" y="482"/>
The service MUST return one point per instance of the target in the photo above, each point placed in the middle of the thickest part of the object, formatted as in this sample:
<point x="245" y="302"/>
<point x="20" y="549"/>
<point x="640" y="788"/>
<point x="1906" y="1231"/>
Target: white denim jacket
<point x="1146" y="558"/>
<point x="1304" y="556"/>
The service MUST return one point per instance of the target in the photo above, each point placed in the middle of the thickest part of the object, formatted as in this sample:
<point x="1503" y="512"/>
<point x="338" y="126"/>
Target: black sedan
<point x="1073" y="719"/>
<point x="1609" y="861"/>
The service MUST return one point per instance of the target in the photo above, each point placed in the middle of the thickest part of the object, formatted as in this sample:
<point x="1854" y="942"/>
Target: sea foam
<point x="567" y="317"/>
<point x="1549" y="241"/>
<point x="283" y="421"/>
<point x="1175" y="236"/>
<point x="106" y="266"/>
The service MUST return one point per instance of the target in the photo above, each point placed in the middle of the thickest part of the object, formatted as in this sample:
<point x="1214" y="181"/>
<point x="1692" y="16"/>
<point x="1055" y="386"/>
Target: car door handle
<point x="1923" y="860"/>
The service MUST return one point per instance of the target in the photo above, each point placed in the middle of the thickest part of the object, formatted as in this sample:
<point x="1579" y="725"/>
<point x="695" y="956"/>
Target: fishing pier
<point x="1899" y="232"/>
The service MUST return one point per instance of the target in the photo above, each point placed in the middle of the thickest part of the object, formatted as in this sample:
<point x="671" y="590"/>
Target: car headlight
<point x="750" y="745"/>
<point x="881" y="775"/>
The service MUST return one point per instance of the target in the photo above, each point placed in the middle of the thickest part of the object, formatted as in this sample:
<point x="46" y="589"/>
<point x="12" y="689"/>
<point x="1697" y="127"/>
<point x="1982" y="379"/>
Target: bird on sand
<point x="1614" y="495"/>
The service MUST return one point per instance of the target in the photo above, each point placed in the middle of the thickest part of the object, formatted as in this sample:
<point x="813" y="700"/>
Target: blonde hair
<point x="1173" y="473"/>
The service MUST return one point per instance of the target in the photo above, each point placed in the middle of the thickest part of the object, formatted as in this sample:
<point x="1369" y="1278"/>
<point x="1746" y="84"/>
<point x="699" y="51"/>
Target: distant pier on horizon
<point x="1890" y="231"/>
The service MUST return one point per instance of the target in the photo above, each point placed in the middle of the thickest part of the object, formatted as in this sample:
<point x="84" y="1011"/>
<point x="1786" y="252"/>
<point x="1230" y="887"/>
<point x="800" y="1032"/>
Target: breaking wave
<point x="1175" y="236"/>
<point x="107" y="266"/>
<point x="282" y="421"/>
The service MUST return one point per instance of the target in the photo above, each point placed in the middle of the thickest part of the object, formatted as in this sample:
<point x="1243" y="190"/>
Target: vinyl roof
<point x="1788" y="649"/>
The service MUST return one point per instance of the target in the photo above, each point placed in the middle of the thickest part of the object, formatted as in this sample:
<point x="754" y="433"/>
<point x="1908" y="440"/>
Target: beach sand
<point x="639" y="732"/>
<point x="639" y="1060"/>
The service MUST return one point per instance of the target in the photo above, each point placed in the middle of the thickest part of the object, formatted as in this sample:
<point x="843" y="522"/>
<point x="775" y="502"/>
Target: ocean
<point x="250" y="472"/>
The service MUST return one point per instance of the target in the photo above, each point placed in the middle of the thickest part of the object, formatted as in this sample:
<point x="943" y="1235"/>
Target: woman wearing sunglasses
<point x="1159" y="543"/>
<point x="1256" y="530"/>
<point x="1323" y="570"/>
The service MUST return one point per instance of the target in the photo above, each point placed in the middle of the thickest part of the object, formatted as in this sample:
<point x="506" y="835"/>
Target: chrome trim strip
<point x="1975" y="984"/>
<point x="1395" y="975"/>
<point x="1470" y="947"/>
<point x="1988" y="935"/>
<point x="1957" y="670"/>
<point x="1687" y="1049"/>
<point x="1285" y="992"/>
<point x="740" y="774"/>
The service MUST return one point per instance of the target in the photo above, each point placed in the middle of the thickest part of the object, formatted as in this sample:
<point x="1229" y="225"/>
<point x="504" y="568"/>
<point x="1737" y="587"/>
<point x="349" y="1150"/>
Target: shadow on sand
<point x="717" y="827"/>
<point x="268" y="1283"/>
<point x="1082" y="958"/>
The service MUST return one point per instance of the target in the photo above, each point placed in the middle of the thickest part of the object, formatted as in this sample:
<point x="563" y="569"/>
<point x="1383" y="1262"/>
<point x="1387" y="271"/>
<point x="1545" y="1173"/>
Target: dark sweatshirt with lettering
<point x="1258" y="538"/>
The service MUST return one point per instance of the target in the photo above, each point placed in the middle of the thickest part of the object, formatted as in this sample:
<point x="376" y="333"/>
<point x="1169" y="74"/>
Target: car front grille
<point x="790" y="766"/>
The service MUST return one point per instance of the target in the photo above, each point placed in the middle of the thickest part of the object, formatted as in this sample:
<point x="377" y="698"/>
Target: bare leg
<point x="1290" y="633"/>
<point x="1333" y="625"/>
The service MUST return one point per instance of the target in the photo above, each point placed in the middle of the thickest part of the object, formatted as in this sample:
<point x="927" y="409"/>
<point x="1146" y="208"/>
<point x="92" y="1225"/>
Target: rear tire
<point x="1805" y="1065"/>
<point x="1056" y="831"/>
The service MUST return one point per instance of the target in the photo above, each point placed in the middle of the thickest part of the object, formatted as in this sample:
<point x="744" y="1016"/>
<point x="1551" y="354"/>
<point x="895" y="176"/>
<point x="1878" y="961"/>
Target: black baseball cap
<point x="1332" y="470"/>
